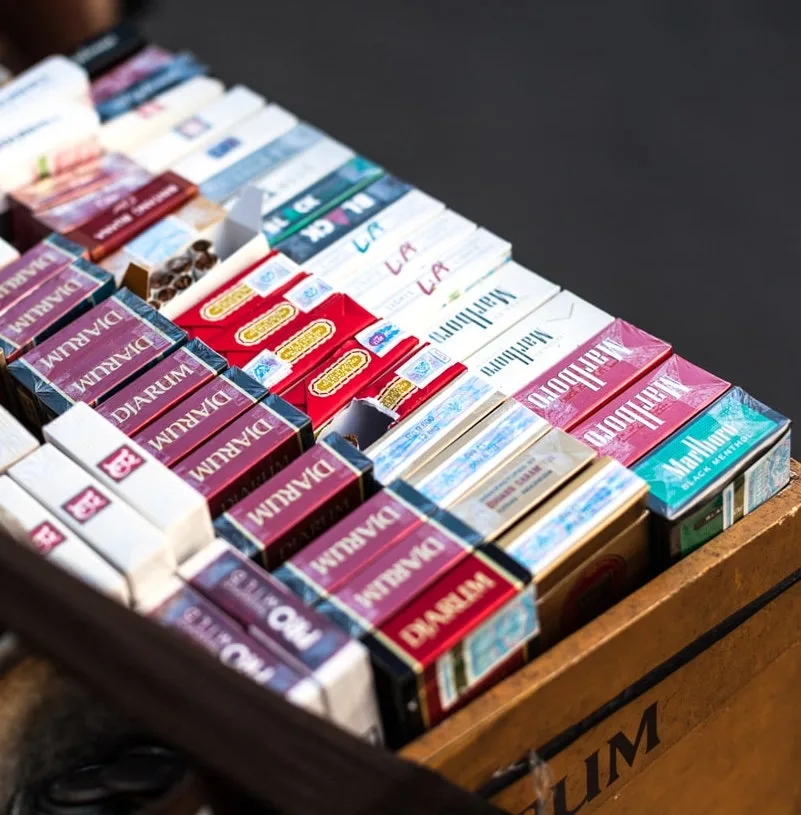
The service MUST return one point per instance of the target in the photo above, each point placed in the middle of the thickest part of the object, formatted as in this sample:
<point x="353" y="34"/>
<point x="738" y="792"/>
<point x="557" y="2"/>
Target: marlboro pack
<point x="52" y="539"/>
<point x="249" y="451"/>
<point x="129" y="72"/>
<point x="332" y="559"/>
<point x="441" y="279"/>
<point x="239" y="142"/>
<point x="132" y="129"/>
<point x="430" y="430"/>
<point x="134" y="547"/>
<point x="649" y="411"/>
<point x="17" y="442"/>
<point x="123" y="221"/>
<point x="538" y="341"/>
<point x="161" y="388"/>
<point x="527" y="481"/>
<point x="323" y="393"/>
<point x="375" y="284"/>
<point x="491" y="307"/>
<point x="200" y="130"/>
<point x="376" y="593"/>
<point x="274" y="616"/>
<point x="594" y="373"/>
<point x="453" y="641"/>
<point x="103" y="52"/>
<point x="303" y="500"/>
<point x="307" y="206"/>
<point x="717" y="468"/>
<point x="92" y="357"/>
<point x="199" y="416"/>
<point x="412" y="383"/>
<point x="482" y="451"/>
<point x="144" y="483"/>
<point x="186" y="612"/>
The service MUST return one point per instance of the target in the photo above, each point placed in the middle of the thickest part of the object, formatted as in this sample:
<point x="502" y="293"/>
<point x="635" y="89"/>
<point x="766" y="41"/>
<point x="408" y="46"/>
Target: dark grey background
<point x="643" y="154"/>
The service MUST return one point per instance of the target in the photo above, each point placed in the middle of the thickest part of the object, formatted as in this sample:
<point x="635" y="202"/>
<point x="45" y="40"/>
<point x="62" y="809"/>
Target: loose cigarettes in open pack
<point x="274" y="616"/>
<point x="132" y="545"/>
<point x="122" y="466"/>
<point x="15" y="441"/>
<point x="52" y="539"/>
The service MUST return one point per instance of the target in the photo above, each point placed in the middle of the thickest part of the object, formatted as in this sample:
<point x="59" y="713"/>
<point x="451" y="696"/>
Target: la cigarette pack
<point x="636" y="420"/>
<point x="144" y="483"/>
<point x="189" y="614"/>
<point x="53" y="540"/>
<point x="246" y="453"/>
<point x="273" y="615"/>
<point x="200" y="415"/>
<point x="161" y="388"/>
<point x="538" y="341"/>
<point x="430" y="430"/>
<point x="332" y="559"/>
<point x="134" y="547"/>
<point x="101" y="53"/>
<point x="720" y="466"/>
<point x="92" y="357"/>
<point x="303" y="500"/>
<point x="15" y="441"/>
<point x="594" y="373"/>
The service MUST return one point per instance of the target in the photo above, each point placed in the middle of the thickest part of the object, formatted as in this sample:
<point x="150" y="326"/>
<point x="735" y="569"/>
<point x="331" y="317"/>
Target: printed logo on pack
<point x="306" y="340"/>
<point x="86" y="504"/>
<point x="269" y="322"/>
<point x="121" y="463"/>
<point x="192" y="128"/>
<point x="46" y="537"/>
<point x="223" y="147"/>
<point x="340" y="373"/>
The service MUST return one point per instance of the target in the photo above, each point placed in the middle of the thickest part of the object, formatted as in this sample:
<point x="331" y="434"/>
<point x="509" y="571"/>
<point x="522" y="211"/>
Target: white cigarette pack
<point x="375" y="284"/>
<point x="59" y="545"/>
<point x="132" y="545"/>
<point x="126" y="133"/>
<point x="241" y="141"/>
<point x="143" y="482"/>
<point x="15" y="441"/>
<point x="491" y="307"/>
<point x="538" y="341"/>
<point x="199" y="130"/>
<point x="8" y="253"/>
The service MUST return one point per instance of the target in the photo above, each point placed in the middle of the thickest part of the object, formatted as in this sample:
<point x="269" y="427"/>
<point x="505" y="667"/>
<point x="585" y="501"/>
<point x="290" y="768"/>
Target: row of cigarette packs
<point x="327" y="428"/>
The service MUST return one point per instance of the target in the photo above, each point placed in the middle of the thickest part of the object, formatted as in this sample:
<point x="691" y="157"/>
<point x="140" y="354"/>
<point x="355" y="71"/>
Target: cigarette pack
<point x="650" y="410"/>
<point x="453" y="641"/>
<point x="412" y="383"/>
<point x="380" y="233"/>
<point x="323" y="393"/>
<point x="337" y="224"/>
<point x="392" y="579"/>
<point x="492" y="306"/>
<point x="15" y="441"/>
<point x="135" y="548"/>
<point x="35" y="267"/>
<point x="375" y="284"/>
<point x="126" y="74"/>
<point x="480" y="453"/>
<point x="538" y="341"/>
<point x="123" y="221"/>
<point x="161" y="388"/>
<point x="200" y="130"/>
<point x="92" y="357"/>
<point x="231" y="146"/>
<point x="576" y="522"/>
<point x="431" y="429"/>
<point x="594" y="373"/>
<point x="718" y="467"/>
<point x="526" y="482"/>
<point x="226" y="183"/>
<point x="8" y="254"/>
<point x="273" y="615"/>
<point x="131" y="130"/>
<point x="181" y="68"/>
<point x="199" y="416"/>
<point x="144" y="483"/>
<point x="308" y="205"/>
<point x="103" y="52"/>
<point x="53" y="540"/>
<point x="185" y="611"/>
<point x="51" y="306"/>
<point x="299" y="503"/>
<point x="246" y="453"/>
<point x="446" y="277"/>
<point x="331" y="560"/>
